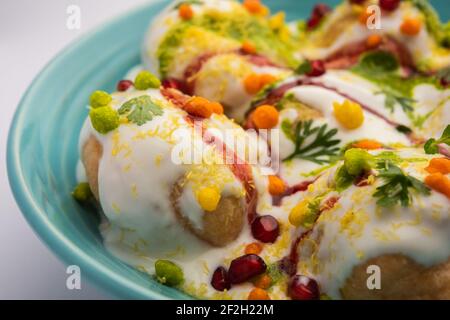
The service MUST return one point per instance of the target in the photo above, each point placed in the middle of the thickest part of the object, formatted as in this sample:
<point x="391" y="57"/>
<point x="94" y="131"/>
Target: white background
<point x="31" y="33"/>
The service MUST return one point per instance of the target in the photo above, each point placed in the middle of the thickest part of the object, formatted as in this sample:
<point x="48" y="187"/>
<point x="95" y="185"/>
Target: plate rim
<point x="66" y="250"/>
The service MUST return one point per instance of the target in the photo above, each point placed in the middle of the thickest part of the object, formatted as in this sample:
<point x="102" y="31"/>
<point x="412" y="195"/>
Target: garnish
<point x="208" y="198"/>
<point x="389" y="5"/>
<point x="104" y="119"/>
<point x="382" y="67"/>
<point x="263" y="281"/>
<point x="191" y="2"/>
<point x="253" y="248"/>
<point x="439" y="182"/>
<point x="142" y="110"/>
<point x="276" y="186"/>
<point x="393" y="98"/>
<point x="305" y="213"/>
<point x="367" y="144"/>
<point x="82" y="193"/>
<point x="265" y="117"/>
<point x="185" y="11"/>
<point x="99" y="99"/>
<point x="258" y="294"/>
<point x="432" y="145"/>
<point x="444" y="77"/>
<point x="398" y="186"/>
<point x="318" y="14"/>
<point x="315" y="144"/>
<point x="433" y="23"/>
<point x="411" y="26"/>
<point x="199" y="107"/>
<point x="356" y="161"/>
<point x="145" y="80"/>
<point x="275" y="273"/>
<point x="239" y="26"/>
<point x="403" y="129"/>
<point x="378" y="62"/>
<point x="254" y="83"/>
<point x="168" y="273"/>
<point x="314" y="68"/>
<point x="304" y="68"/>
<point x="441" y="165"/>
<point x="349" y="114"/>
<point x="343" y="179"/>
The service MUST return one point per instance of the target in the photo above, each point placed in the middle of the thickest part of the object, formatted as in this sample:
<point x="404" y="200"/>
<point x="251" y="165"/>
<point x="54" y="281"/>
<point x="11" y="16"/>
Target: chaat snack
<point x="220" y="49"/>
<point x="349" y="195"/>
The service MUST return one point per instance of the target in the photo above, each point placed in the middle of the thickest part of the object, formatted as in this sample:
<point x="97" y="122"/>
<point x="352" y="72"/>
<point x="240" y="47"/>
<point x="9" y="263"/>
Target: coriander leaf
<point x="315" y="144"/>
<point x="343" y="179"/>
<point x="378" y="62"/>
<point x="392" y="98"/>
<point x="286" y="126"/>
<point x="142" y="110"/>
<point x="398" y="186"/>
<point x="432" y="145"/>
<point x="304" y="68"/>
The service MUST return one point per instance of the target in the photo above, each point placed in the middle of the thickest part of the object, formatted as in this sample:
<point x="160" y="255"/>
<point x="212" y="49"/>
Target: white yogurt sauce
<point x="356" y="229"/>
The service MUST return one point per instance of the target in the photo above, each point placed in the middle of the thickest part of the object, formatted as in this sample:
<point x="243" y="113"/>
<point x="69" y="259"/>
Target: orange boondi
<point x="248" y="47"/>
<point x="254" y="6"/>
<point x="373" y="41"/>
<point x="263" y="282"/>
<point x="411" y="26"/>
<point x="276" y="186"/>
<point x="368" y="144"/>
<point x="199" y="107"/>
<point x="265" y="117"/>
<point x="253" y="248"/>
<point x="252" y="83"/>
<point x="258" y="294"/>
<point x="441" y="165"/>
<point x="437" y="181"/>
<point x="216" y="107"/>
<point x="364" y="16"/>
<point x="266" y="79"/>
<point x="255" y="82"/>
<point x="185" y="11"/>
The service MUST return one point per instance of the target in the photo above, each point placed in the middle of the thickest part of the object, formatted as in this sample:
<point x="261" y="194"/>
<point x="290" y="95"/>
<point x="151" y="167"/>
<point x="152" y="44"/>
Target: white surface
<point x="31" y="33"/>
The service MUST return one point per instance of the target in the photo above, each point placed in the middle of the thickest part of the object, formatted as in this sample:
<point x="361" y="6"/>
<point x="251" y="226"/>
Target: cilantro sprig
<point x="398" y="186"/>
<point x="432" y="145"/>
<point x="382" y="67"/>
<point x="315" y="144"/>
<point x="393" y="98"/>
<point x="304" y="68"/>
<point x="140" y="110"/>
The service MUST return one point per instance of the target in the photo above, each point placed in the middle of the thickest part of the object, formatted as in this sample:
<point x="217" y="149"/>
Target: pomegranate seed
<point x="220" y="280"/>
<point x="123" y="85"/>
<point x="318" y="68"/>
<point x="171" y="83"/>
<point x="313" y="22"/>
<point x="303" y="288"/>
<point x="319" y="11"/>
<point x="246" y="267"/>
<point x="265" y="229"/>
<point x="389" y="5"/>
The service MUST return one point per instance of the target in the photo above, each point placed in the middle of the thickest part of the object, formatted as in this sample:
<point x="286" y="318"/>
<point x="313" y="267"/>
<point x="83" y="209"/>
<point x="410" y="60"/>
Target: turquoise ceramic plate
<point x="42" y="147"/>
